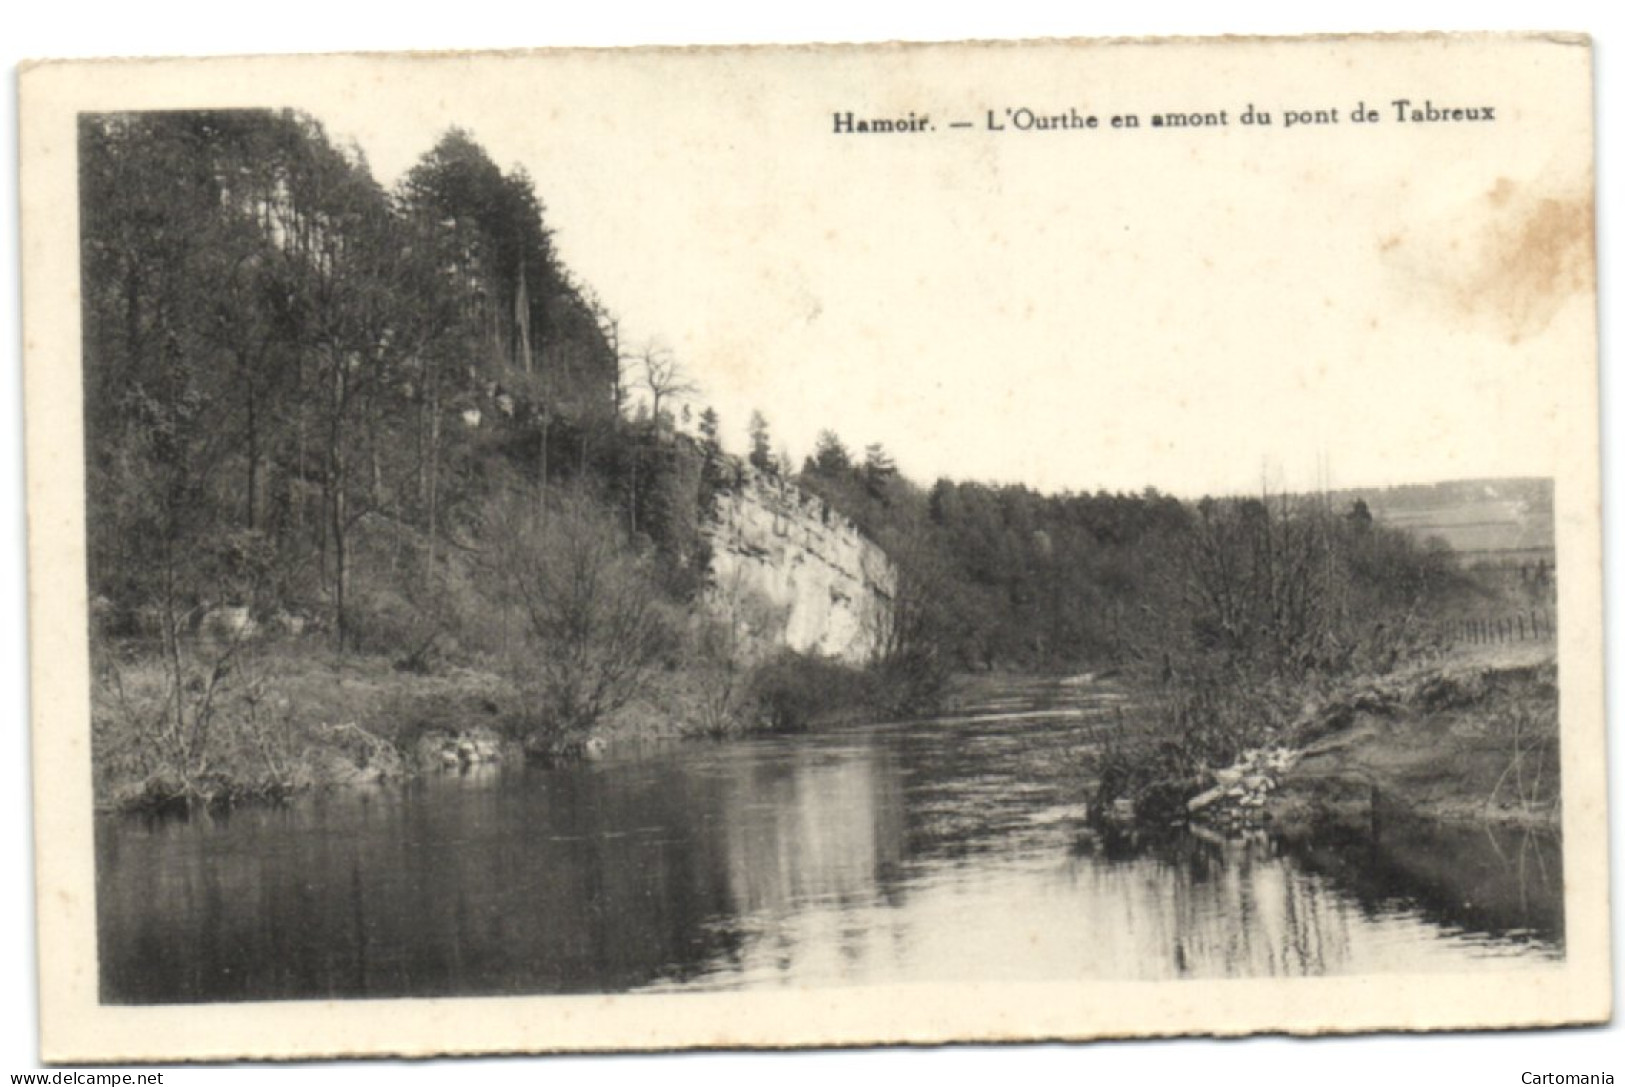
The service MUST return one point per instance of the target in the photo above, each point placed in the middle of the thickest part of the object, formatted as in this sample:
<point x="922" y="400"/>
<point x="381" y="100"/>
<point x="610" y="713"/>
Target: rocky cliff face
<point x="794" y="572"/>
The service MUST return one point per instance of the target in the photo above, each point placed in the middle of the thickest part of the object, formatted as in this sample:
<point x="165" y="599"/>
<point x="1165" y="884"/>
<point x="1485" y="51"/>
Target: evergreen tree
<point x="761" y="444"/>
<point x="830" y="458"/>
<point x="878" y="470"/>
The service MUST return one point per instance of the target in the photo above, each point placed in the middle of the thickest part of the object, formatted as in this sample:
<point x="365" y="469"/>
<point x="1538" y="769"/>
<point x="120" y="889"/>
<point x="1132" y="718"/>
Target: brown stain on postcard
<point x="1545" y="257"/>
<point x="1517" y="256"/>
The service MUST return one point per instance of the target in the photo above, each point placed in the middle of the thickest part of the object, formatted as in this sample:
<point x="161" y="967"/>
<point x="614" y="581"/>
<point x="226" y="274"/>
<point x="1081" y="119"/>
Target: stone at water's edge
<point x="794" y="572"/>
<point x="469" y="747"/>
<point x="1234" y="797"/>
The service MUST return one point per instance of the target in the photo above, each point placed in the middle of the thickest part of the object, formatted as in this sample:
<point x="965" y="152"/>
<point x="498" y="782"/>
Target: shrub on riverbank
<point x="789" y="690"/>
<point x="280" y="718"/>
<point x="597" y="627"/>
<point x="1462" y="739"/>
<point x="269" y="721"/>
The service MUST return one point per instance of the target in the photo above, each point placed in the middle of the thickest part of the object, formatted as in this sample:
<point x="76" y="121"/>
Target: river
<point x="950" y="849"/>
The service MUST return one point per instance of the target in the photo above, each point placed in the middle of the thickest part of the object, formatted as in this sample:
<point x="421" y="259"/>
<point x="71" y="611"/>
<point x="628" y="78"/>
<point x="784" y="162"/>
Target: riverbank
<point x="286" y="717"/>
<point x="280" y="719"/>
<point x="1472" y="737"/>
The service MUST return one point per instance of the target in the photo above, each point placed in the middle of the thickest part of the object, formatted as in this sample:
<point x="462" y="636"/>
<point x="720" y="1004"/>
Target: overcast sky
<point x="1199" y="310"/>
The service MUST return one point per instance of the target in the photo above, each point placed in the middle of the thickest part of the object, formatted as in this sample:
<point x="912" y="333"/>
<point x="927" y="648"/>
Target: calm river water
<point x="951" y="849"/>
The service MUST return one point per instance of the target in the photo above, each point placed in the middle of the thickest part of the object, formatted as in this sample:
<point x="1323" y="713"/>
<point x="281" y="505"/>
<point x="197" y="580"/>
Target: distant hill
<point x="1485" y="521"/>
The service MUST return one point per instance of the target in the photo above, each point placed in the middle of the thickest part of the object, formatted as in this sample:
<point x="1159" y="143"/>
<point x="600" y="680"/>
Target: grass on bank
<point x="276" y="718"/>
<point x="1471" y="735"/>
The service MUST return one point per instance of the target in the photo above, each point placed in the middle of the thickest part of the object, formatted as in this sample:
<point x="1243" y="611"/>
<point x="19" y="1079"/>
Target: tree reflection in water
<point x="940" y="850"/>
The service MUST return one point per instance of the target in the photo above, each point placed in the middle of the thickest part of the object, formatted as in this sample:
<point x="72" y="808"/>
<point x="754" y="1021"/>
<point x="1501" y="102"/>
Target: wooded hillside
<point x="279" y="354"/>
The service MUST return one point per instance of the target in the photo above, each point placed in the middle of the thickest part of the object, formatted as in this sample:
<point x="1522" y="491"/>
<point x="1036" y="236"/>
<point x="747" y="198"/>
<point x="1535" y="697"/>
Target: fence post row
<point x="1533" y="625"/>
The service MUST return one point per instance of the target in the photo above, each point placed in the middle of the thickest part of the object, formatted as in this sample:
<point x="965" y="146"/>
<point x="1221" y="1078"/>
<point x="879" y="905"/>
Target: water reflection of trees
<point x="810" y="829"/>
<point x="574" y="880"/>
<point x="1423" y="897"/>
<point x="572" y="883"/>
<point x="773" y="862"/>
<point x="1502" y="883"/>
<point x="1205" y="906"/>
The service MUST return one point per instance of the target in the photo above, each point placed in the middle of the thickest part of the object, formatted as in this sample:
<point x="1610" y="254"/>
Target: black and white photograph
<point x="814" y="546"/>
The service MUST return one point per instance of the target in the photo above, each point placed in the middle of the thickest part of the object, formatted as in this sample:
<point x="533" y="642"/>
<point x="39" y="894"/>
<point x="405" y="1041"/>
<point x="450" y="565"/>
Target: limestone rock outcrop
<point x="794" y="572"/>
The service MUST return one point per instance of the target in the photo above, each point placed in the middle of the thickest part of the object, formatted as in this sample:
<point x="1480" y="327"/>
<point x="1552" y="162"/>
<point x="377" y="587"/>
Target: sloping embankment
<point x="1466" y="740"/>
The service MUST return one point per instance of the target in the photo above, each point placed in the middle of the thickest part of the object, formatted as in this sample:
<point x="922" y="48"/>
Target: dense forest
<point x="280" y="356"/>
<point x="389" y="426"/>
<point x="1024" y="580"/>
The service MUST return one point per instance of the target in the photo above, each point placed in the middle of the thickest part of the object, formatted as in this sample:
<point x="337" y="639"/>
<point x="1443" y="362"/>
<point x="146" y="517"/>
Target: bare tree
<point x="594" y="619"/>
<point x="665" y="379"/>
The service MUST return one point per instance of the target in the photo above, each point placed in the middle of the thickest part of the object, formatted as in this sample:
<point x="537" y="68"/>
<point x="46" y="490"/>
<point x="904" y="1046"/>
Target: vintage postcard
<point x="817" y="546"/>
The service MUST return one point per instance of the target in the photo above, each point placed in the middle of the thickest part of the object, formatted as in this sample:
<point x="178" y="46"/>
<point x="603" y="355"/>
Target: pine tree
<point x="761" y="444"/>
<point x="830" y="458"/>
